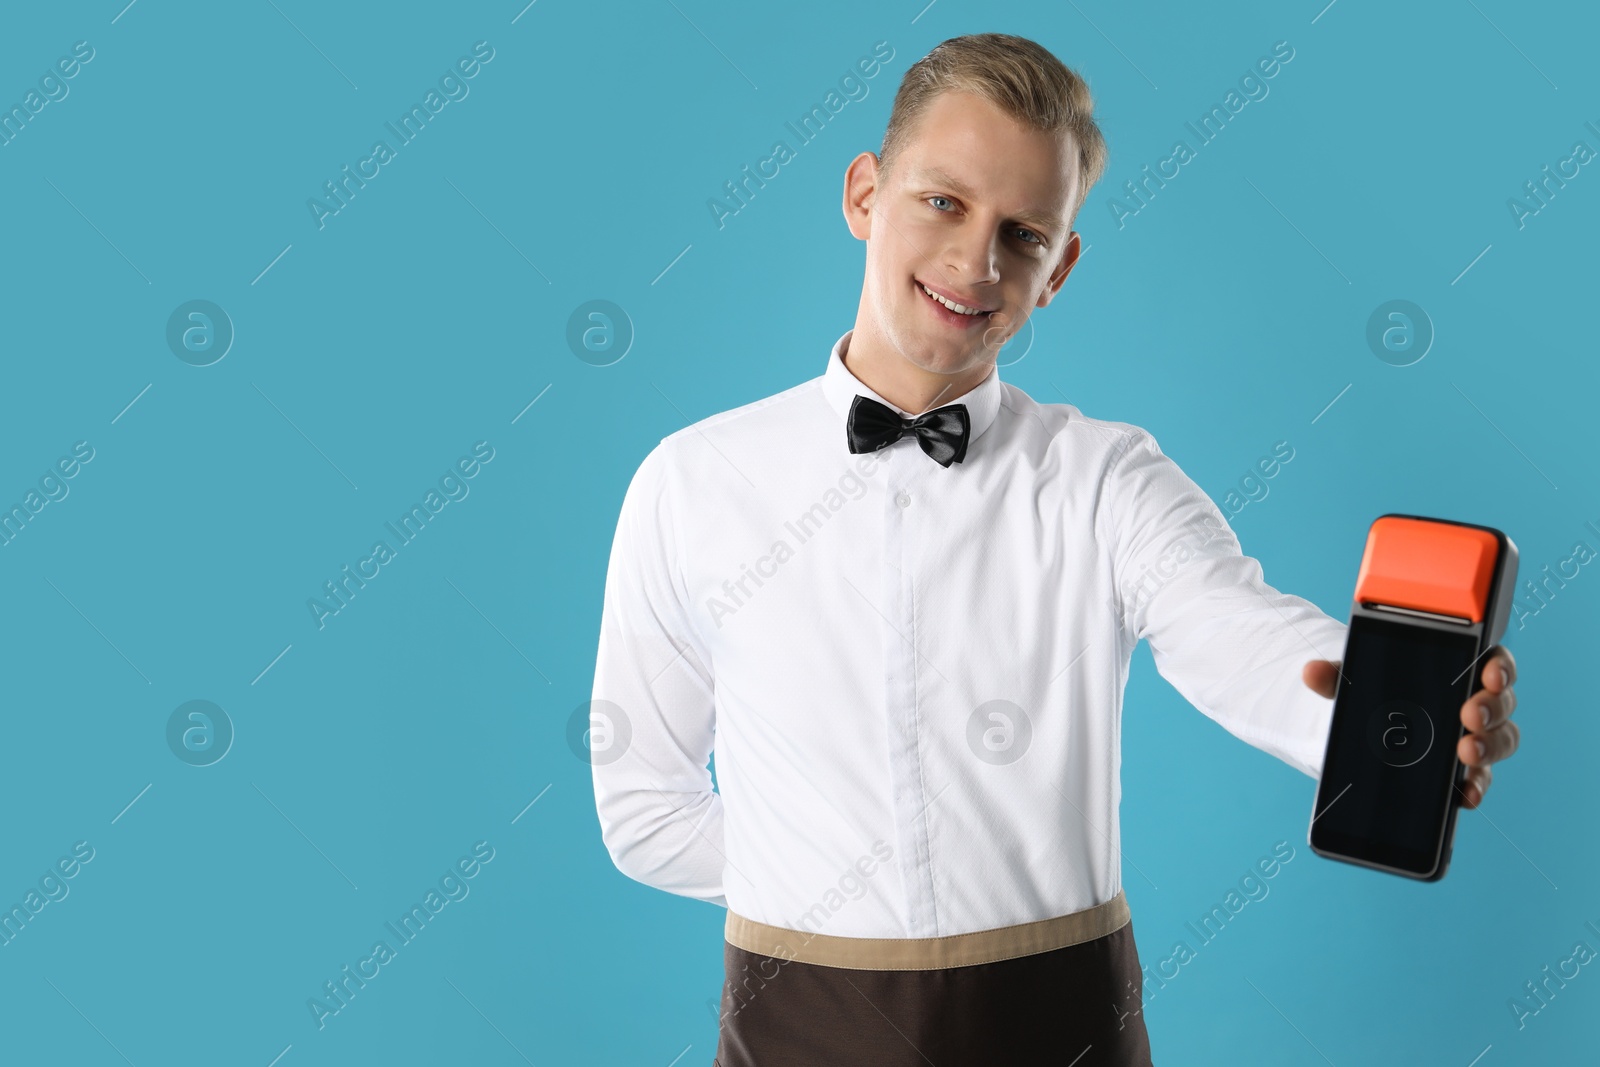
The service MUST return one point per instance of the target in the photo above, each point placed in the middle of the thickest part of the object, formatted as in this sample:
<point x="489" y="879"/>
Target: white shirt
<point x="910" y="675"/>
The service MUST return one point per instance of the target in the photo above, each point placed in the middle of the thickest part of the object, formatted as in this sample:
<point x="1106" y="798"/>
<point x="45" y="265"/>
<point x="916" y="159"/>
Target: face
<point x="976" y="208"/>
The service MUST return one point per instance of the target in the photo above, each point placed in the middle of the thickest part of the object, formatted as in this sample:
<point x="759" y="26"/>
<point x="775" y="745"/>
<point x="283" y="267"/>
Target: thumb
<point x="1322" y="676"/>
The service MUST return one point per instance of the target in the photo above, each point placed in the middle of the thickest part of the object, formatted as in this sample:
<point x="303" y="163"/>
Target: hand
<point x="1486" y="715"/>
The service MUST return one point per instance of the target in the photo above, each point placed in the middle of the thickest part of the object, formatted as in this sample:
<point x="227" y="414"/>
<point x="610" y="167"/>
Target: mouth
<point x="950" y="311"/>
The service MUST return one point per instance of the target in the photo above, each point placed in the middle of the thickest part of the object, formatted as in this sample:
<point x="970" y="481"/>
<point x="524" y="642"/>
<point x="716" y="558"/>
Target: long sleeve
<point x="653" y="716"/>
<point x="1231" y="644"/>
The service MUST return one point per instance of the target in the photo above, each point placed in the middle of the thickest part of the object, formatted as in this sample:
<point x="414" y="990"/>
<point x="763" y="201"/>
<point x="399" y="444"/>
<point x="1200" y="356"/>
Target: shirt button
<point x="903" y="499"/>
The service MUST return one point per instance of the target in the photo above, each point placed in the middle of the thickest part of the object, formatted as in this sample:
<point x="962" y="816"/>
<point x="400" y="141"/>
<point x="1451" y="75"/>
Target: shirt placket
<point x="906" y="464"/>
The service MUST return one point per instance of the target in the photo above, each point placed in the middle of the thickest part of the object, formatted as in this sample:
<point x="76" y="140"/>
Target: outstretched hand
<point x="1486" y="714"/>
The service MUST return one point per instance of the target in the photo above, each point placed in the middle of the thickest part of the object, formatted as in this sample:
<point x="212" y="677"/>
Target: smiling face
<point x="975" y="207"/>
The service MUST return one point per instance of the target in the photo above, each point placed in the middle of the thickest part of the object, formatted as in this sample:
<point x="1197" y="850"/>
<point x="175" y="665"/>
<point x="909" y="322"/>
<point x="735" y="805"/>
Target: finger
<point x="1499" y="669"/>
<point x="1322" y="675"/>
<point x="1491" y="746"/>
<point x="1475" y="786"/>
<point x="1485" y="710"/>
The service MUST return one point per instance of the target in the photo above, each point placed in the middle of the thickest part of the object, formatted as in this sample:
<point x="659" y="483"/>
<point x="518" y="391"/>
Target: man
<point x="898" y="602"/>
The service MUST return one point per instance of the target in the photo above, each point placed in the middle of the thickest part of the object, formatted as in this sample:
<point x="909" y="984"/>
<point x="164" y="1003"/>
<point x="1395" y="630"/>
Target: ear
<point x="860" y="190"/>
<point x="1069" y="257"/>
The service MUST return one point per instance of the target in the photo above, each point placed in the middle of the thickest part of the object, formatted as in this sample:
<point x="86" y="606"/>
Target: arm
<point x="653" y="714"/>
<point x="1230" y="643"/>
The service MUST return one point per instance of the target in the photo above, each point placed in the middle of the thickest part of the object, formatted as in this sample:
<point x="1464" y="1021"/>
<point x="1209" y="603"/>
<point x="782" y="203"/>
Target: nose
<point x="972" y="256"/>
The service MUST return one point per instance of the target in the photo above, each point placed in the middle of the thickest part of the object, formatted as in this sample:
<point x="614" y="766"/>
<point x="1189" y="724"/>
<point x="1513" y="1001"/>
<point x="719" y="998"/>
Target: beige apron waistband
<point x="928" y="953"/>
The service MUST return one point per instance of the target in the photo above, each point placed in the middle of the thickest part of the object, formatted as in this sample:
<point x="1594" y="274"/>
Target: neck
<point x="907" y="386"/>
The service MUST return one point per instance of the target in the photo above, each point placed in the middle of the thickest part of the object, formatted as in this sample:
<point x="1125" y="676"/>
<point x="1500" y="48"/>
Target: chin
<point x="949" y="357"/>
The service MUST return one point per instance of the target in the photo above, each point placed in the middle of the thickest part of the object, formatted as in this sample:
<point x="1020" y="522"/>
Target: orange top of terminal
<point x="1428" y="566"/>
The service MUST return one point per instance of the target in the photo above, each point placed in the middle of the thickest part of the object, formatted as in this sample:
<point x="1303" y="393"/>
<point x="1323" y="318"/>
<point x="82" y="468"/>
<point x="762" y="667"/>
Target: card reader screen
<point x="1386" y="781"/>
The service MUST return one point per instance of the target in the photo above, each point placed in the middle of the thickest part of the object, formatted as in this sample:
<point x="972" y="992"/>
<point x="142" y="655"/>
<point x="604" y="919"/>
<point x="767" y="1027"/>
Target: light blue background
<point x="433" y="309"/>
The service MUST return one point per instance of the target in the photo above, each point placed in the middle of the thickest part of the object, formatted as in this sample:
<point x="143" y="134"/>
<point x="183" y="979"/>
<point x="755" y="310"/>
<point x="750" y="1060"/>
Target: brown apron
<point x="1065" y="991"/>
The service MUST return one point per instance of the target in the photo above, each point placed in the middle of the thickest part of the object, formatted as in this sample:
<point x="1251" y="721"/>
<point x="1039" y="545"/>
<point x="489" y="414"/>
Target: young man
<point x="899" y="600"/>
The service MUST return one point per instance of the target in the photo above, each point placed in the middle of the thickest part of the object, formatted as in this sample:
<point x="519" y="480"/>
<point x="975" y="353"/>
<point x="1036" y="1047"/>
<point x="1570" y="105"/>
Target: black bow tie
<point x="942" y="432"/>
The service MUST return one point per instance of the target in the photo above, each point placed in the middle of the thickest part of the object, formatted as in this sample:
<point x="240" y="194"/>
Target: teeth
<point x="959" y="309"/>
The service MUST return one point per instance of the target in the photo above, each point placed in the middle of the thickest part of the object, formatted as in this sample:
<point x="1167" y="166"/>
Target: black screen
<point x="1387" y="780"/>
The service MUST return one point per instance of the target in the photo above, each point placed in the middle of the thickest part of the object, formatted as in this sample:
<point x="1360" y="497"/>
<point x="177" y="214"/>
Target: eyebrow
<point x="1043" y="219"/>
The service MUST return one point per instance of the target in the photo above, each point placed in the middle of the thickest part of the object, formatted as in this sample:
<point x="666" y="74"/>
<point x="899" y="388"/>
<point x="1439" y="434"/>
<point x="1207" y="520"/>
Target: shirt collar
<point x="842" y="387"/>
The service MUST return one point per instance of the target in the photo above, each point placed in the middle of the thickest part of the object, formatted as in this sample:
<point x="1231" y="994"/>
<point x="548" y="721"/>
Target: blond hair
<point x="1020" y="77"/>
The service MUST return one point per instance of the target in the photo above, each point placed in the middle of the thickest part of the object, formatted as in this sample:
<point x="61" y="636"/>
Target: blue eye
<point x="1032" y="238"/>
